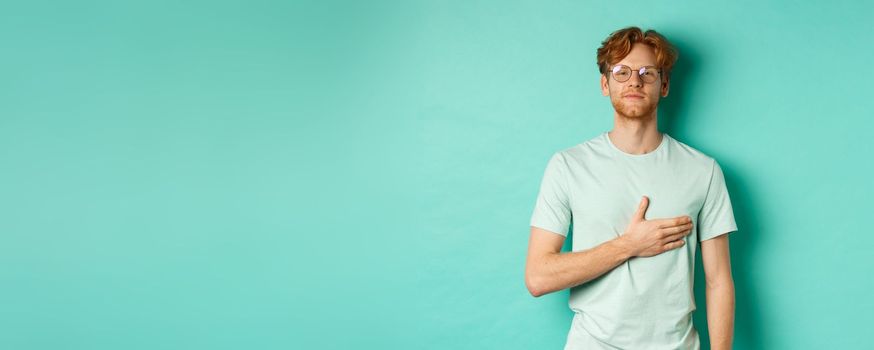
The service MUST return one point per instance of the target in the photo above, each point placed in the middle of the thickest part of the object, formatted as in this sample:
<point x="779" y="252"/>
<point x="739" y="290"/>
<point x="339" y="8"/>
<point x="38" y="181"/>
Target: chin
<point x="633" y="111"/>
<point x="630" y="112"/>
<point x="636" y="113"/>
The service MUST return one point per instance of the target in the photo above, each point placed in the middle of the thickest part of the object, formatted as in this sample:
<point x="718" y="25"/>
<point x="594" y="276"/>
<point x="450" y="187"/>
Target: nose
<point x="635" y="79"/>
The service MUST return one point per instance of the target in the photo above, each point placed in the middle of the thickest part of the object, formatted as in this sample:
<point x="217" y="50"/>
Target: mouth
<point x="633" y="96"/>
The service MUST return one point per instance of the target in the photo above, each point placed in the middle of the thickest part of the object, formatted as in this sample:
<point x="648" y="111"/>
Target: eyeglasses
<point x="622" y="73"/>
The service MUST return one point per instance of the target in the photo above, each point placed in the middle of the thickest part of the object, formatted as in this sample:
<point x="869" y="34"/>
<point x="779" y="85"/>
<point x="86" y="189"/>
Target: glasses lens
<point x="649" y="74"/>
<point x="621" y="73"/>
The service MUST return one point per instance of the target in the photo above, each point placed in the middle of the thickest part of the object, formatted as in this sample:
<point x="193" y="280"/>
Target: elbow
<point x="533" y="285"/>
<point x="537" y="278"/>
<point x="534" y="291"/>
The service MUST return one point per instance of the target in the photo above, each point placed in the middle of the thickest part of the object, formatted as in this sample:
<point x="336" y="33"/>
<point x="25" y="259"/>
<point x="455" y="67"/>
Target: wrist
<point x="622" y="244"/>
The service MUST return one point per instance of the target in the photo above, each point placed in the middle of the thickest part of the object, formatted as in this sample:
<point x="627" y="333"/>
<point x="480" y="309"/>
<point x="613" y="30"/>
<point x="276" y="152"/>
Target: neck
<point x="635" y="135"/>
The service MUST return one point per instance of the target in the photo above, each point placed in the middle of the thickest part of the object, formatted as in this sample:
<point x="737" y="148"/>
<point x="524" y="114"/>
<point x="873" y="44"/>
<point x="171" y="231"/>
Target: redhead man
<point x="639" y="202"/>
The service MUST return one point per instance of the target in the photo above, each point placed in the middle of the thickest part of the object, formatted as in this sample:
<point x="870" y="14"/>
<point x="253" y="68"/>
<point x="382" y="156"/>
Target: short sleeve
<point x="716" y="216"/>
<point x="552" y="209"/>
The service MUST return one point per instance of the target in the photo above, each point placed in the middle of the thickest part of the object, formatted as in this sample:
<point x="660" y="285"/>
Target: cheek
<point x="615" y="91"/>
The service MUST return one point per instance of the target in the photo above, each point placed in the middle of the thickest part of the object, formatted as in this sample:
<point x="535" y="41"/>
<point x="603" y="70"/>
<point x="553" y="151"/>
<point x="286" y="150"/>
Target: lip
<point x="633" y="96"/>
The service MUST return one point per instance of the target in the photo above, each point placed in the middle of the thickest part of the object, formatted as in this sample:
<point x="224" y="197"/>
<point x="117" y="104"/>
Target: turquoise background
<point x="333" y="175"/>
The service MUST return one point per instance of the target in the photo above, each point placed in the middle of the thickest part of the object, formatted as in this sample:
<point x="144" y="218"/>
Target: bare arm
<point x="547" y="270"/>
<point x="720" y="291"/>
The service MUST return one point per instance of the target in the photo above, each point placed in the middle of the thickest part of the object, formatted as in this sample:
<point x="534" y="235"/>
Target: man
<point x="640" y="201"/>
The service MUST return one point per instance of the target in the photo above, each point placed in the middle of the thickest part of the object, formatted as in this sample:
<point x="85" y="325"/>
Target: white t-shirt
<point x="646" y="302"/>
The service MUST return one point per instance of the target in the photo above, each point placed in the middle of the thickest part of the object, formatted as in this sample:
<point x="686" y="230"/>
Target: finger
<point x="675" y="229"/>
<point x="677" y="221"/>
<point x="674" y="244"/>
<point x="676" y="236"/>
<point x="641" y="209"/>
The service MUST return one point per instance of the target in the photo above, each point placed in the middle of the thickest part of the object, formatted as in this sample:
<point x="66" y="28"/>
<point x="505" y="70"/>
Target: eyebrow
<point x="646" y="65"/>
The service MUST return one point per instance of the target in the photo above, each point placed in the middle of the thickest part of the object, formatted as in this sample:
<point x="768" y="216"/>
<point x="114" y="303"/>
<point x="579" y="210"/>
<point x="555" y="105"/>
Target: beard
<point x="631" y="110"/>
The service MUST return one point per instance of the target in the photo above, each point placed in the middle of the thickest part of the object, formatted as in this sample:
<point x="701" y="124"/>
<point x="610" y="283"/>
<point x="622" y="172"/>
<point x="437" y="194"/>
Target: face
<point x="634" y="98"/>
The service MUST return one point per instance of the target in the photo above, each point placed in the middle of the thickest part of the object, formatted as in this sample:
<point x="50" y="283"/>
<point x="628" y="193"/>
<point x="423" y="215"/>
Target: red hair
<point x="619" y="43"/>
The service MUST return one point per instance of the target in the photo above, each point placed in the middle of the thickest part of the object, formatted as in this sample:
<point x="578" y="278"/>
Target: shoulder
<point x="582" y="152"/>
<point x="691" y="156"/>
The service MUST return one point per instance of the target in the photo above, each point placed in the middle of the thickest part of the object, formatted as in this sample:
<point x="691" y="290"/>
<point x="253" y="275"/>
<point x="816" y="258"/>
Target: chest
<point x="606" y="196"/>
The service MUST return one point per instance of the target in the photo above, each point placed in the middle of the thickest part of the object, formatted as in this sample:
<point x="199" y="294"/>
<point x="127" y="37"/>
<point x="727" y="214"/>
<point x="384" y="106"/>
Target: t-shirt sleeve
<point x="552" y="209"/>
<point x="716" y="216"/>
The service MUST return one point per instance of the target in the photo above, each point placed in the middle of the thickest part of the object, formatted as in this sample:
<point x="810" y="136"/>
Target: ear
<point x="666" y="86"/>
<point x="605" y="87"/>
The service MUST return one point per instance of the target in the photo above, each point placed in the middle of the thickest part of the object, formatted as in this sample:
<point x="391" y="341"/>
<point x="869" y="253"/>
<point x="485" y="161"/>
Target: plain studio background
<point x="328" y="175"/>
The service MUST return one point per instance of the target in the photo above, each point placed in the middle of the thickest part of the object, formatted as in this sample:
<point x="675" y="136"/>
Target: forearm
<point x="720" y="315"/>
<point x="556" y="271"/>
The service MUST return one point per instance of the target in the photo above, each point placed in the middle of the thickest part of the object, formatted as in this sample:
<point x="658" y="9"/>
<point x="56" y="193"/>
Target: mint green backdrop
<point x="360" y="175"/>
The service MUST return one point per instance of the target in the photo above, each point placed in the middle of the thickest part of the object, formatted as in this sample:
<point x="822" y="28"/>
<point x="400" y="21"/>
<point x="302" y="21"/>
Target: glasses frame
<point x="638" y="70"/>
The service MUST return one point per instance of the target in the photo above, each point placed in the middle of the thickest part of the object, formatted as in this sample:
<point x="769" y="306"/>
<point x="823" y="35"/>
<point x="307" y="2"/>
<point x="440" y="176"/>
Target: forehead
<point x="639" y="56"/>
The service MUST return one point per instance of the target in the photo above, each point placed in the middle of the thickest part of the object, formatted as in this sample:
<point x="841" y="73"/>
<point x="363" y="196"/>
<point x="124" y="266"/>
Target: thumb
<point x="641" y="209"/>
